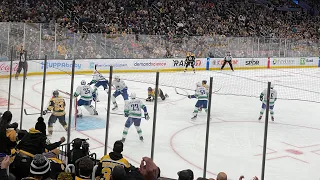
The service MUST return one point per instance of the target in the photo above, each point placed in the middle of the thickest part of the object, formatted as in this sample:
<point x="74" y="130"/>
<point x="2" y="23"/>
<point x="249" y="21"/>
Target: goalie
<point x="57" y="106"/>
<point x="151" y="94"/>
<point x="86" y="94"/>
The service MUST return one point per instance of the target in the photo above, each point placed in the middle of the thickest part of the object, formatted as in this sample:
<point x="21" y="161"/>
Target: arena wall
<point x="86" y="66"/>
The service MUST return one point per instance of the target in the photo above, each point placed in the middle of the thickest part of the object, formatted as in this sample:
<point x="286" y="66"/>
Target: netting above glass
<point x="60" y="43"/>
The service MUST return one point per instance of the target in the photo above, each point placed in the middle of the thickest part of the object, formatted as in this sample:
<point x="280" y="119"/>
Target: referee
<point x="22" y="62"/>
<point x="227" y="59"/>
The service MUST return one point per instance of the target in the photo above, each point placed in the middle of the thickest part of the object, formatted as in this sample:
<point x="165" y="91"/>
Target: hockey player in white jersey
<point x="86" y="94"/>
<point x="263" y="98"/>
<point x="202" y="95"/>
<point x="132" y="110"/>
<point x="98" y="80"/>
<point x="121" y="89"/>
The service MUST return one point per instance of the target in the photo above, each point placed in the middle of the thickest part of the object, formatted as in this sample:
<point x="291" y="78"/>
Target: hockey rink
<point x="236" y="135"/>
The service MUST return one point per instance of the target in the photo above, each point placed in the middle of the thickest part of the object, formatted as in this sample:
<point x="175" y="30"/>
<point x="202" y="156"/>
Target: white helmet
<point x="199" y="84"/>
<point x="272" y="86"/>
<point x="117" y="78"/>
<point x="133" y="95"/>
<point x="83" y="82"/>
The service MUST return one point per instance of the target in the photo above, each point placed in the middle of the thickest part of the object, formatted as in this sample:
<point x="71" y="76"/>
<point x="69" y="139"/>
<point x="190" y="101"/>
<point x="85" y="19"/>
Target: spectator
<point x="108" y="162"/>
<point x="85" y="168"/>
<point x="222" y="176"/>
<point x="35" y="142"/>
<point x="39" y="168"/>
<point x="7" y="134"/>
<point x="79" y="150"/>
<point x="185" y="175"/>
<point x="57" y="166"/>
<point x="118" y="173"/>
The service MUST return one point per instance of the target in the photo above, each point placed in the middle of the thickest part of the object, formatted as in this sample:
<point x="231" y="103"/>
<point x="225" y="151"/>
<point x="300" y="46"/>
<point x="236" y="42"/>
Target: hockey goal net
<point x="66" y="96"/>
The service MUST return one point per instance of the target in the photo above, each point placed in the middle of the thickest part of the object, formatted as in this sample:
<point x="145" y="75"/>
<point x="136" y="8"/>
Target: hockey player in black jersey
<point x="190" y="61"/>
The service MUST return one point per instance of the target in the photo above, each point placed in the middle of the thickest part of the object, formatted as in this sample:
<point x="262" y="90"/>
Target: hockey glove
<point x="261" y="98"/>
<point x="44" y="112"/>
<point x="189" y="96"/>
<point x="146" y="116"/>
<point x="126" y="114"/>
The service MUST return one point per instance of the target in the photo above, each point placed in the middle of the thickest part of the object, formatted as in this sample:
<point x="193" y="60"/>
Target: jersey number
<point x="106" y="172"/>
<point x="59" y="106"/>
<point x="202" y="92"/>
<point x="86" y="90"/>
<point x="135" y="107"/>
<point x="271" y="96"/>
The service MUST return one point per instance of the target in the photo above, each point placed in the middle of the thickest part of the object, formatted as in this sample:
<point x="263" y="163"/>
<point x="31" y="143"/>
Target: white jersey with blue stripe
<point x="133" y="108"/>
<point x="85" y="92"/>
<point x="98" y="77"/>
<point x="273" y="96"/>
<point x="201" y="93"/>
<point x="119" y="85"/>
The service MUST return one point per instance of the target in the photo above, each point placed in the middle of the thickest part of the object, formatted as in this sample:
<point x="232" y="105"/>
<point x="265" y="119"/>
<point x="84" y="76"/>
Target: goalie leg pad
<point x="90" y="109"/>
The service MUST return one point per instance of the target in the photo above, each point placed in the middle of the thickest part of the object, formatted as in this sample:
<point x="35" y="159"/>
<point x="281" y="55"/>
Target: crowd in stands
<point x="128" y="28"/>
<point x="30" y="155"/>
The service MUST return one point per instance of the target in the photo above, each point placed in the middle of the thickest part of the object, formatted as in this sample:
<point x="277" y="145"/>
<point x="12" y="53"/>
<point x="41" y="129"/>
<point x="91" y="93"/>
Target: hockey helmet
<point x="55" y="93"/>
<point x="117" y="78"/>
<point x="149" y="88"/>
<point x="133" y="95"/>
<point x="199" y="84"/>
<point x="83" y="82"/>
<point x="204" y="81"/>
<point x="272" y="86"/>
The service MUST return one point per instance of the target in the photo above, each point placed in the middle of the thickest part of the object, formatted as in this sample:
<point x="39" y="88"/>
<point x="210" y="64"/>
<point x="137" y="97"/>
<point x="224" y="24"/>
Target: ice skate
<point x="166" y="95"/>
<point x="141" y="138"/>
<point x="272" y="118"/>
<point x="95" y="112"/>
<point x="123" y="140"/>
<point x="260" y="117"/>
<point x="115" y="106"/>
<point x="194" y="117"/>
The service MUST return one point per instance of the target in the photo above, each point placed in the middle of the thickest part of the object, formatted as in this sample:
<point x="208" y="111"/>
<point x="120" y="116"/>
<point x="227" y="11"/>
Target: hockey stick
<point x="95" y="68"/>
<point x="180" y="93"/>
<point x="217" y="90"/>
<point x="120" y="114"/>
<point x="188" y="95"/>
<point x="25" y="112"/>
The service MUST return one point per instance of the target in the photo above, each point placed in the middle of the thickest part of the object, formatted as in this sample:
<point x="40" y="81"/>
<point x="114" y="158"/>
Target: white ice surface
<point x="236" y="137"/>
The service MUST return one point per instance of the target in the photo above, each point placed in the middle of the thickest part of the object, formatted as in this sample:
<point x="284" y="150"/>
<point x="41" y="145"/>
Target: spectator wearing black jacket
<point x="35" y="142"/>
<point x="7" y="134"/>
